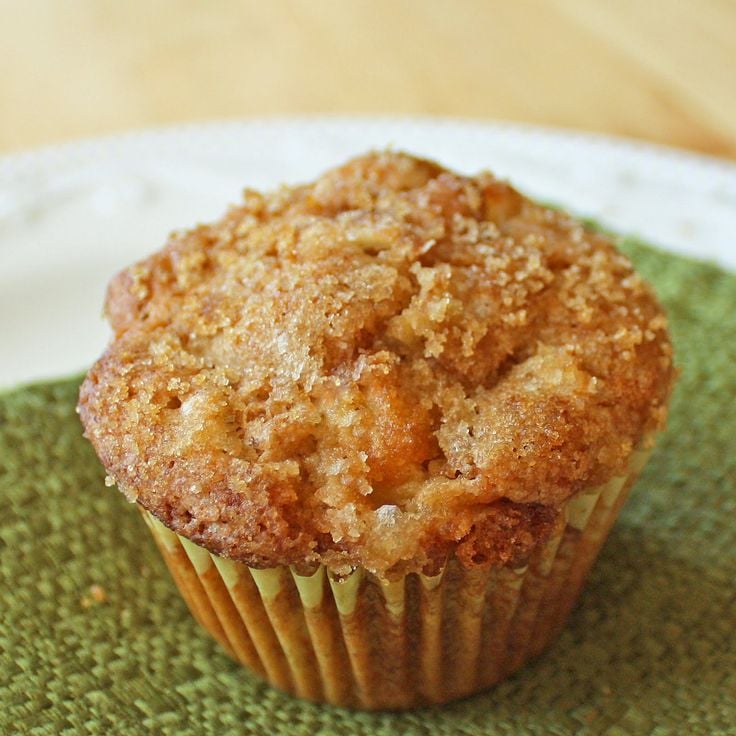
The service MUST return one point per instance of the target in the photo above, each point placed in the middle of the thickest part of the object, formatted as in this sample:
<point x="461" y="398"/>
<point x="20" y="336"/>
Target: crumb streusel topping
<point x="392" y="364"/>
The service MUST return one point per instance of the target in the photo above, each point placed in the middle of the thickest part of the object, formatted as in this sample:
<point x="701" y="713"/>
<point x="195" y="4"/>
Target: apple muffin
<point x="380" y="424"/>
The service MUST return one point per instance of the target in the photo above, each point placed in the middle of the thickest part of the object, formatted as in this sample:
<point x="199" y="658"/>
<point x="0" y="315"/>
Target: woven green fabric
<point x="651" y="649"/>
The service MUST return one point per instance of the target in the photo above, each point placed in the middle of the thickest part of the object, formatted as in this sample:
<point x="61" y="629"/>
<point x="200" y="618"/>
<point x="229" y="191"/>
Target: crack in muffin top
<point x="386" y="367"/>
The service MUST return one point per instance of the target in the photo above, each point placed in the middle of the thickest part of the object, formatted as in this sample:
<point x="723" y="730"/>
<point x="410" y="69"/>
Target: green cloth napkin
<point x="94" y="638"/>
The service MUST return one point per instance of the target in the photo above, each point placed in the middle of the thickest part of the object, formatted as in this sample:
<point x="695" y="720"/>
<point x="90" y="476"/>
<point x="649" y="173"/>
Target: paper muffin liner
<point x="359" y="641"/>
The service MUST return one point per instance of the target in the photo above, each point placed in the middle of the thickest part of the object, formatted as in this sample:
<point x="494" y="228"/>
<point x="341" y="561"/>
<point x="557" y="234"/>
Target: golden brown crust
<point x="384" y="367"/>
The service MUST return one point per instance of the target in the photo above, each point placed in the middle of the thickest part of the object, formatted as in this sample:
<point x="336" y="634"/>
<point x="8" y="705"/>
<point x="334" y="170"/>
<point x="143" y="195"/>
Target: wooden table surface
<point x="661" y="70"/>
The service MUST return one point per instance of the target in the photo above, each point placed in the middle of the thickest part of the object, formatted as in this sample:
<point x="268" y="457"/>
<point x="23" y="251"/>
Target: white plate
<point x="71" y="216"/>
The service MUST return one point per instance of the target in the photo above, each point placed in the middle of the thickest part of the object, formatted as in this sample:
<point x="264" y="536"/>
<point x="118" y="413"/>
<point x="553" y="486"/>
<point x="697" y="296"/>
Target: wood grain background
<point x="661" y="70"/>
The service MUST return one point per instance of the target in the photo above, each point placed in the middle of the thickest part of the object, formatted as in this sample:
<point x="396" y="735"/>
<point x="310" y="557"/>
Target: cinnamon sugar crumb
<point x="380" y="368"/>
<point x="96" y="594"/>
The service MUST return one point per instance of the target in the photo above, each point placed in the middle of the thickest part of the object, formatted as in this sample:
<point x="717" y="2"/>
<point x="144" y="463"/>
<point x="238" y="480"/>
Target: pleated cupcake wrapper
<point x="363" y="642"/>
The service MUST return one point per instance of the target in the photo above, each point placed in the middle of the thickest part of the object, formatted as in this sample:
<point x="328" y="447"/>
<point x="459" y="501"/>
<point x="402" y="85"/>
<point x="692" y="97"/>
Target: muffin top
<point x="383" y="368"/>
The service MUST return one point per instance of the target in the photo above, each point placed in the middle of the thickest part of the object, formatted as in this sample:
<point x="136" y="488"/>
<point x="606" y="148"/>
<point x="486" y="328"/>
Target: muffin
<point x="381" y="424"/>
